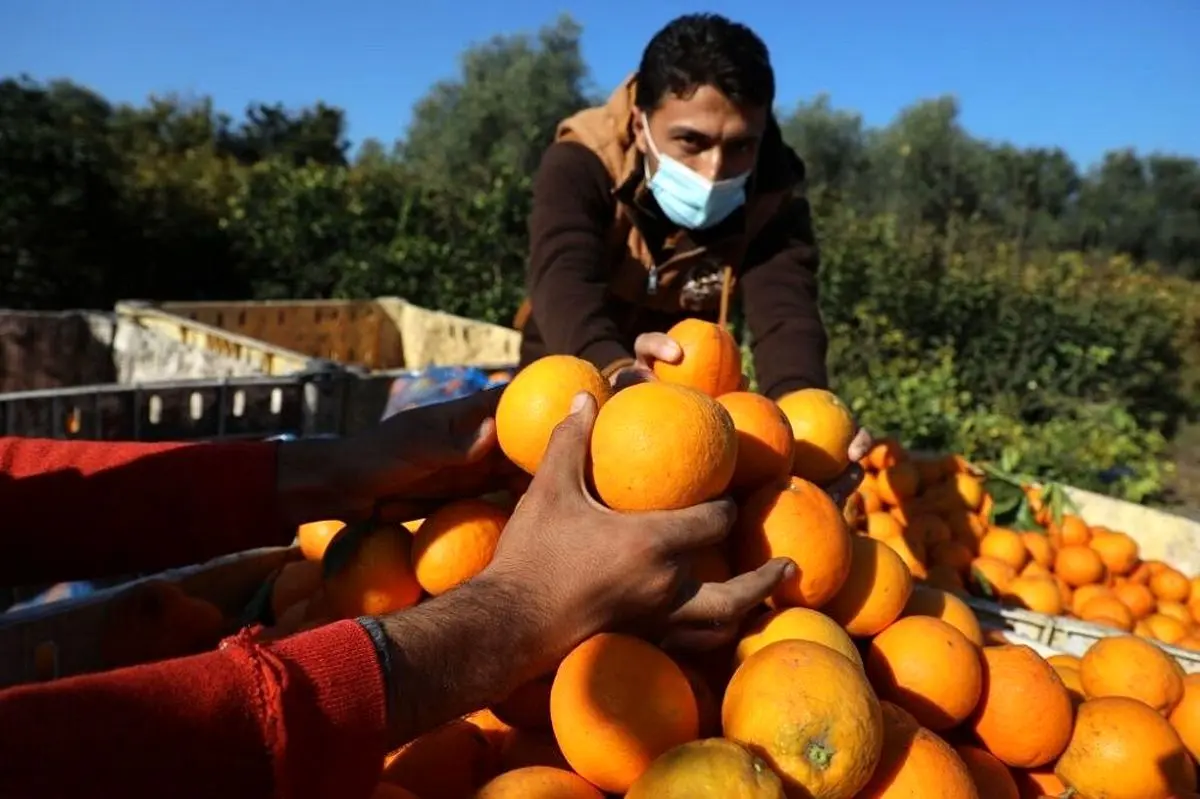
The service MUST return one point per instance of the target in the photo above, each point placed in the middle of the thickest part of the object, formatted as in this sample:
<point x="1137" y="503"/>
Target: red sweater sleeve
<point x="304" y="717"/>
<point x="80" y="509"/>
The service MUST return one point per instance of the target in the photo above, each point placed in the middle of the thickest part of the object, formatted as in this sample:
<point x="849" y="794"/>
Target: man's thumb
<point x="567" y="451"/>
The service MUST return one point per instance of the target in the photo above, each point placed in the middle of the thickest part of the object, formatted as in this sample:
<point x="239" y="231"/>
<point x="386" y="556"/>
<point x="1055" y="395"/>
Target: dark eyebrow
<point x="678" y="130"/>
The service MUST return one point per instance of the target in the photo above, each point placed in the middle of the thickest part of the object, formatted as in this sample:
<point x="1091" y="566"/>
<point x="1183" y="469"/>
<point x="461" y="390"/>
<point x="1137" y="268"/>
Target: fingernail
<point x="578" y="401"/>
<point x="789" y="571"/>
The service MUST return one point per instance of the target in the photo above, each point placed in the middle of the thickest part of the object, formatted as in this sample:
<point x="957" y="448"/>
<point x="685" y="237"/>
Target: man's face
<point x="705" y="131"/>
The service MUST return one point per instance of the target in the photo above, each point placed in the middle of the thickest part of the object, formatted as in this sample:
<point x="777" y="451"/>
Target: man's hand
<point x="649" y="348"/>
<point x="861" y="445"/>
<point x="410" y="462"/>
<point x="591" y="567"/>
<point x="565" y="569"/>
<point x="848" y="481"/>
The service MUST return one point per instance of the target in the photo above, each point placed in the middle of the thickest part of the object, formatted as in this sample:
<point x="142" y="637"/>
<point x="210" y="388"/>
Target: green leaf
<point x="1007" y="499"/>
<point x="1025" y="520"/>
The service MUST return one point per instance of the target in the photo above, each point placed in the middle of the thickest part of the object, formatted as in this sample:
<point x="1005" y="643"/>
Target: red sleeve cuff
<point x="331" y="739"/>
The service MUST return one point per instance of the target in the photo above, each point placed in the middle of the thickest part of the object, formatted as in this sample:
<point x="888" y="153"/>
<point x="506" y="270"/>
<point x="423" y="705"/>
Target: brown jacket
<point x="606" y="265"/>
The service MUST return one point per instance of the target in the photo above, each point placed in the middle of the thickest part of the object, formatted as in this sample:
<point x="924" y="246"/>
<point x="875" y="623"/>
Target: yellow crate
<point x="282" y="336"/>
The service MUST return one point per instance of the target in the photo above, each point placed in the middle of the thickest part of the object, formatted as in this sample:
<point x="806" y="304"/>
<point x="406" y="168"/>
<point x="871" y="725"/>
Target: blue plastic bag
<point x="439" y="384"/>
<point x="56" y="593"/>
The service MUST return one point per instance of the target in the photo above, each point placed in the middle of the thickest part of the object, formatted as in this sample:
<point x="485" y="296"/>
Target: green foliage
<point x="981" y="298"/>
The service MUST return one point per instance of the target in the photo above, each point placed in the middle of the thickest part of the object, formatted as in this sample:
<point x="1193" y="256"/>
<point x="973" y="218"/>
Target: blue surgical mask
<point x="691" y="200"/>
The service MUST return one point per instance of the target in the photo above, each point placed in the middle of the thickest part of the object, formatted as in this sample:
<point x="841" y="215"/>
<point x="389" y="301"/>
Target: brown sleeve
<point x="568" y="277"/>
<point x="779" y="296"/>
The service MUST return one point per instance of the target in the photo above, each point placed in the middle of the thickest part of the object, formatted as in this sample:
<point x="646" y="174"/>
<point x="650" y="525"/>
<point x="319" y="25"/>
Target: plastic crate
<point x="1059" y="633"/>
<point x="64" y="638"/>
<point x="305" y="404"/>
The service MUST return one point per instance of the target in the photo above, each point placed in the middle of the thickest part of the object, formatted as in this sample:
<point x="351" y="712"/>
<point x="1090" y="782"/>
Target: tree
<point x="834" y="145"/>
<point x="500" y="114"/>
<point x="61" y="226"/>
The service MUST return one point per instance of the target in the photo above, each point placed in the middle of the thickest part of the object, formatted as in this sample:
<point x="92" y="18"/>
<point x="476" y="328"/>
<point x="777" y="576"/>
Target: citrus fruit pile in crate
<point x="1006" y="539"/>
<point x="864" y="675"/>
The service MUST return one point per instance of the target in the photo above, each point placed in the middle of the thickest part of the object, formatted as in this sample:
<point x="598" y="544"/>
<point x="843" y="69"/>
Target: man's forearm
<point x="460" y="652"/>
<point x="305" y="486"/>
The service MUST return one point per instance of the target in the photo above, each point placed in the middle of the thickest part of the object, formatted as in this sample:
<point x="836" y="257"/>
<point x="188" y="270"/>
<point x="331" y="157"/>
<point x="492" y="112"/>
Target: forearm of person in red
<point x="304" y="717"/>
<point x="81" y="509"/>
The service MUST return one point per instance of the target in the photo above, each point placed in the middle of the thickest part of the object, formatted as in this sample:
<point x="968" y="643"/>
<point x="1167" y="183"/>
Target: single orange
<point x="797" y="520"/>
<point x="1108" y="608"/>
<point x="1016" y="679"/>
<point x="875" y="591"/>
<point x="886" y="452"/>
<point x="453" y="760"/>
<point x="1137" y="597"/>
<point x="764" y="439"/>
<point x="796" y="624"/>
<point x="1074" y="531"/>
<point x="898" y="483"/>
<point x="927" y="667"/>
<point x="616" y="704"/>
<point x="882" y="525"/>
<point x="810" y="713"/>
<point x="1040" y="548"/>
<point x="1185" y="718"/>
<point x="929" y="601"/>
<point x="1125" y="665"/>
<point x="1004" y="545"/>
<point x="713" y="767"/>
<point x="711" y="362"/>
<point x="1167" y="629"/>
<point x="660" y="446"/>
<point x="315" y="537"/>
<point x="916" y="762"/>
<point x="455" y="543"/>
<point x="1079" y="565"/>
<point x="1122" y="749"/>
<point x="375" y="577"/>
<point x="538" y="782"/>
<point x="1170" y="585"/>
<point x="991" y="576"/>
<point x="537" y="399"/>
<point x="1038" y="594"/>
<point x="1118" y="551"/>
<point x="823" y="428"/>
<point x="992" y="778"/>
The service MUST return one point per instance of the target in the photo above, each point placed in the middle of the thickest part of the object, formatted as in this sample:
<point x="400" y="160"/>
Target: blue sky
<point x="1088" y="76"/>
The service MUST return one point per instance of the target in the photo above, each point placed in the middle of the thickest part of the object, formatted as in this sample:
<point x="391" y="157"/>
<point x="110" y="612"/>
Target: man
<point x="313" y="715"/>
<point x="659" y="203"/>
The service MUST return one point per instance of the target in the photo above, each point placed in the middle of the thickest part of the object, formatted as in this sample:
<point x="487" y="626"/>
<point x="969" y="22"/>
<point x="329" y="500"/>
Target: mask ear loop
<point x="653" y="146"/>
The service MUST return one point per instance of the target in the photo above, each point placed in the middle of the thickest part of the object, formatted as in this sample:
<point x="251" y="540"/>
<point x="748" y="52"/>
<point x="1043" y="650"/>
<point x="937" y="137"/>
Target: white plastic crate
<point x="1060" y="634"/>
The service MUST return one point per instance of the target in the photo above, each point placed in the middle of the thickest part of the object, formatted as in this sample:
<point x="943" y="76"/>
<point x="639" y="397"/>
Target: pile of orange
<point x="935" y="513"/>
<point x="864" y="675"/>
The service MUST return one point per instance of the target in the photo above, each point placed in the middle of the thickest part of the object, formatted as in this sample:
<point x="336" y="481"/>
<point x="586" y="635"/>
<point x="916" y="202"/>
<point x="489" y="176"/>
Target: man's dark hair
<point x="706" y="50"/>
